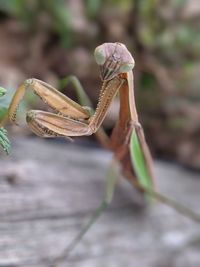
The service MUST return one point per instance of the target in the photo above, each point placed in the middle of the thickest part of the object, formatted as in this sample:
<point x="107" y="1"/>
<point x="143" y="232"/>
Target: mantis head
<point x="113" y="59"/>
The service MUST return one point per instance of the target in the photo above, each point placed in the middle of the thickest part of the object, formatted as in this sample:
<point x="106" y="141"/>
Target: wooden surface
<point x="49" y="190"/>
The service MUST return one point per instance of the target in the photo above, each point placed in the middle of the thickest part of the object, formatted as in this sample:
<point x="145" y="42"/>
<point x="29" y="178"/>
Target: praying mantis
<point x="131" y="156"/>
<point x="71" y="119"/>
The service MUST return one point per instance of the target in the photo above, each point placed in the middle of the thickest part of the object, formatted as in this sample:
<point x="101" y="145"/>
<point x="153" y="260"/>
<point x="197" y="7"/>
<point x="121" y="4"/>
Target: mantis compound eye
<point x="99" y="56"/>
<point x="127" y="67"/>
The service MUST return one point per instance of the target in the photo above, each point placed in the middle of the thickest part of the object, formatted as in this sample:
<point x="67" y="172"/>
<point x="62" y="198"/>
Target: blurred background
<point x="49" y="189"/>
<point x="51" y="39"/>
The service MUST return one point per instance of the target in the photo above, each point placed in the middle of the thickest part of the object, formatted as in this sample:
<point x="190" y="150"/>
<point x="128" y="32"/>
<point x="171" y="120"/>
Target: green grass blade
<point x="139" y="163"/>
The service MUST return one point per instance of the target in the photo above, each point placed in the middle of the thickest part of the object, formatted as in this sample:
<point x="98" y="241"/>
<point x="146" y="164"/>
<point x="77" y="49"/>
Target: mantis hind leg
<point x="112" y="176"/>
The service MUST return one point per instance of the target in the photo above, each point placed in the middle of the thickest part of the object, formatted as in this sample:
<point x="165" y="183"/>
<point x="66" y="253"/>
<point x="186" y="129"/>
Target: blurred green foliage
<point x="29" y="11"/>
<point x="155" y="30"/>
<point x="92" y="7"/>
<point x="3" y="103"/>
<point x="4" y="141"/>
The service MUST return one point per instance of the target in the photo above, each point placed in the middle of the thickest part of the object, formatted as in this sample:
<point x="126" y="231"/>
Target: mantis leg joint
<point x="134" y="124"/>
<point x="29" y="81"/>
<point x="30" y="116"/>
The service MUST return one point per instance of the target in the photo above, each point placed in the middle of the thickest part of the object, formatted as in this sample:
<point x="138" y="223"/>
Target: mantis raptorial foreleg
<point x="52" y="97"/>
<point x="85" y="101"/>
<point x="42" y="123"/>
<point x="73" y="119"/>
<point x="53" y="125"/>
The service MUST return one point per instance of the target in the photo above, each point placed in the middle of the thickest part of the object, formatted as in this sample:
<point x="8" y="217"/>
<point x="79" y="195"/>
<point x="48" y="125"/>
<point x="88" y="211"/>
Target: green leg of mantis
<point x="112" y="177"/>
<point x="81" y="94"/>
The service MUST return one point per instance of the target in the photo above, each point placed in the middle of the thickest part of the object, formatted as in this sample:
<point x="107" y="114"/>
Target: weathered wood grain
<point x="49" y="190"/>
